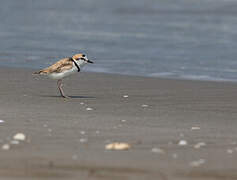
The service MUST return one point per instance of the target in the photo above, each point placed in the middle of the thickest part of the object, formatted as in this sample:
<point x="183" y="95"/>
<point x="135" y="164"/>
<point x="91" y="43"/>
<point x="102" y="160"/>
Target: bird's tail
<point x="34" y="73"/>
<point x="38" y="72"/>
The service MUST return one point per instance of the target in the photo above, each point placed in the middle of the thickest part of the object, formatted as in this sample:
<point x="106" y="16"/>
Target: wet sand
<point x="66" y="140"/>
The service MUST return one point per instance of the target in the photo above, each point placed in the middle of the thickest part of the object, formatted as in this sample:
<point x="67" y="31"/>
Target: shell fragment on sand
<point x="5" y="147"/>
<point x="197" y="163"/>
<point x="89" y="109"/>
<point x="125" y="96"/>
<point x="74" y="157"/>
<point x="199" y="145"/>
<point x="2" y="121"/>
<point x="82" y="132"/>
<point x="195" y="128"/>
<point x="19" y="136"/>
<point x="183" y="143"/>
<point x="83" y="140"/>
<point x="118" y="146"/>
<point x="175" y="156"/>
<point x="158" y="150"/>
<point x="229" y="151"/>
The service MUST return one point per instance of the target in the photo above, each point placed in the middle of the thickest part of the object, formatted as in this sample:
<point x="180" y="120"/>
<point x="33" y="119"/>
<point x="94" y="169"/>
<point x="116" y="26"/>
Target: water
<point x="190" y="39"/>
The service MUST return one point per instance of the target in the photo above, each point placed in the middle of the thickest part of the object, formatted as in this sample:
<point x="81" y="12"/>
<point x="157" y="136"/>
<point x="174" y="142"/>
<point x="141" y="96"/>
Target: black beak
<point x="89" y="61"/>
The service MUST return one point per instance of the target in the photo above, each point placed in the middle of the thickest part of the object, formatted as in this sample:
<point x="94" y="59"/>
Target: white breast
<point x="63" y="74"/>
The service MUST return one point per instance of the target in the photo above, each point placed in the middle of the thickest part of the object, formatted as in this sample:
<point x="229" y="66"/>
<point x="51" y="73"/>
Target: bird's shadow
<point x="71" y="97"/>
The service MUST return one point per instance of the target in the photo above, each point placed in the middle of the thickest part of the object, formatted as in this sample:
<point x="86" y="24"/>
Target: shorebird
<point x="63" y="68"/>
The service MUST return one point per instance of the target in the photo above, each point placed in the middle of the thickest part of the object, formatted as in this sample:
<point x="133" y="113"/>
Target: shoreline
<point x="131" y="75"/>
<point x="66" y="140"/>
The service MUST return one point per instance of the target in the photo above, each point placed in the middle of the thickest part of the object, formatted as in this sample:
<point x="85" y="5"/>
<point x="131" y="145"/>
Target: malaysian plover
<point x="65" y="67"/>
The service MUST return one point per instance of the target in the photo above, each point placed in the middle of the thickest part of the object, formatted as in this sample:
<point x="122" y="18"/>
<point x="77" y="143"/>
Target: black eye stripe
<point x="83" y="59"/>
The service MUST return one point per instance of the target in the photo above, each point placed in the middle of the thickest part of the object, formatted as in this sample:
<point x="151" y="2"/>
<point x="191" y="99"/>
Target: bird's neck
<point x="80" y="63"/>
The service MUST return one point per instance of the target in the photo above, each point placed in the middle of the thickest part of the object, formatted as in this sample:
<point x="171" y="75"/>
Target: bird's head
<point x="81" y="59"/>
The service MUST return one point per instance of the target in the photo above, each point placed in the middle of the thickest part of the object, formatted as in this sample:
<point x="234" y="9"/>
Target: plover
<point x="63" y="68"/>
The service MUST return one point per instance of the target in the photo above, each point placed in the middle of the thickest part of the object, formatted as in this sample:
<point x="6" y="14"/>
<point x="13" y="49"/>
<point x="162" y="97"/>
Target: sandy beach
<point x="177" y="129"/>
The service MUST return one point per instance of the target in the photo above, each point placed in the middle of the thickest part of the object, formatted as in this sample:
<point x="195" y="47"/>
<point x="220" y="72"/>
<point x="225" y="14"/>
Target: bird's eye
<point x="83" y="55"/>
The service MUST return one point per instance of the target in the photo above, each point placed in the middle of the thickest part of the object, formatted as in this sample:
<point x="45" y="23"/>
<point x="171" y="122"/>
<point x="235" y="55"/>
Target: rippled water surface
<point x="194" y="39"/>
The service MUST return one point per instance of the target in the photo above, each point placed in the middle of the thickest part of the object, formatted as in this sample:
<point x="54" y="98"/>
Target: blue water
<point x="188" y="39"/>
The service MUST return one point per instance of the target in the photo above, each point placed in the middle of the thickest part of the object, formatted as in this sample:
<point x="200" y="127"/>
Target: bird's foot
<point x="66" y="97"/>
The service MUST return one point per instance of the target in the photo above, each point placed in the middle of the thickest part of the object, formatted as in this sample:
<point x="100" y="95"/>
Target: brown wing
<point x="60" y="66"/>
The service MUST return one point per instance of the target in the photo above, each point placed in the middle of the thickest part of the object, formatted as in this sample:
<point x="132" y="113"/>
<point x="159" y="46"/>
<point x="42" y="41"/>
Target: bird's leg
<point x="60" y="85"/>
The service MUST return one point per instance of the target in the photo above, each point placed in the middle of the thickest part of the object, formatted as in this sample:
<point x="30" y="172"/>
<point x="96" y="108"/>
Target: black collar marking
<point x="78" y="68"/>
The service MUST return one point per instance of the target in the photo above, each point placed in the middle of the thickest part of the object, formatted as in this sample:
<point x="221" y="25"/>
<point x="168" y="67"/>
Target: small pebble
<point x="144" y="105"/>
<point x="158" y="150"/>
<point x="2" y="121"/>
<point x="82" y="103"/>
<point x="82" y="132"/>
<point x="118" y="146"/>
<point x="182" y="143"/>
<point x="74" y="157"/>
<point x="49" y="130"/>
<point x="5" y="147"/>
<point x="125" y="96"/>
<point x="83" y="140"/>
<point x="195" y="128"/>
<point x="45" y="125"/>
<point x="229" y="151"/>
<point x="19" y="136"/>
<point x="89" y="109"/>
<point x="175" y="156"/>
<point x="197" y="163"/>
<point x="97" y="132"/>
<point x="123" y="120"/>
<point x="199" y="145"/>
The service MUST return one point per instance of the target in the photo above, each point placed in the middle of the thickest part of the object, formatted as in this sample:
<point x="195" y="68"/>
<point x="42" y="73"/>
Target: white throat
<point x="80" y="63"/>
